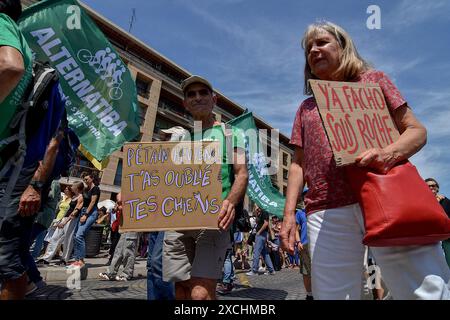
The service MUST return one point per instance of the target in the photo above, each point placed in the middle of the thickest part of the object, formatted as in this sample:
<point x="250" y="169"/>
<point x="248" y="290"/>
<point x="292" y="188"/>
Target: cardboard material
<point x="355" y="116"/>
<point x="171" y="186"/>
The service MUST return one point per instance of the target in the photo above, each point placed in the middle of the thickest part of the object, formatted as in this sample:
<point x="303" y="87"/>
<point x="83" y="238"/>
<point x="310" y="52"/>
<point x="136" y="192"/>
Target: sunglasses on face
<point x="193" y="93"/>
<point x="432" y="186"/>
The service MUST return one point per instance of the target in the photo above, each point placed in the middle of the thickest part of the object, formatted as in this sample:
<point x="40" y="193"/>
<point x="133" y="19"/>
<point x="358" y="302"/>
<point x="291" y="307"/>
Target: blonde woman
<point x="334" y="219"/>
<point x="57" y="236"/>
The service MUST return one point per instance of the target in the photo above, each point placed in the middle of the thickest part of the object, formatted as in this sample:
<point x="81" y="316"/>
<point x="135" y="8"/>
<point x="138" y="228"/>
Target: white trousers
<point x="55" y="241"/>
<point x="337" y="254"/>
<point x="69" y="238"/>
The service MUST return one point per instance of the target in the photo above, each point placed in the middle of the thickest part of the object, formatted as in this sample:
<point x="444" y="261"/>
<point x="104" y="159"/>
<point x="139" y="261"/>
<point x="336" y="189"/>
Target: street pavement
<point x="286" y="284"/>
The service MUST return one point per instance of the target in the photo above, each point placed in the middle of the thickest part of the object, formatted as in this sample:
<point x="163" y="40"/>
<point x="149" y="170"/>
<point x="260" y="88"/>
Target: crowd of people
<point x="323" y="239"/>
<point x="62" y="223"/>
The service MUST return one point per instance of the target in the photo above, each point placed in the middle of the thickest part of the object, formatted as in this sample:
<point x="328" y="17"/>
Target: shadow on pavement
<point x="131" y="299"/>
<point x="112" y="289"/>
<point x="50" y="292"/>
<point x="257" y="293"/>
<point x="92" y="265"/>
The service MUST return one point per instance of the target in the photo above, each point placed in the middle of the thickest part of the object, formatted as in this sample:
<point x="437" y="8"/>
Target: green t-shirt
<point x="216" y="133"/>
<point x="11" y="36"/>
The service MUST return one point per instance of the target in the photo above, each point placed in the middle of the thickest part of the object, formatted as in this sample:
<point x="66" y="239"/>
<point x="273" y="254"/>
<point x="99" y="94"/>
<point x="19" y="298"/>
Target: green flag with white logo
<point x="260" y="188"/>
<point x="101" y="94"/>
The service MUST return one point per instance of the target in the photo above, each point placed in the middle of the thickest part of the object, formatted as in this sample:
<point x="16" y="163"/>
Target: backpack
<point x="33" y="125"/>
<point x="242" y="218"/>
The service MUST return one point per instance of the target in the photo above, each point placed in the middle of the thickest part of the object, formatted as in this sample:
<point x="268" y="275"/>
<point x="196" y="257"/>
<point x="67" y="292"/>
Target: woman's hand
<point x="287" y="233"/>
<point x="376" y="158"/>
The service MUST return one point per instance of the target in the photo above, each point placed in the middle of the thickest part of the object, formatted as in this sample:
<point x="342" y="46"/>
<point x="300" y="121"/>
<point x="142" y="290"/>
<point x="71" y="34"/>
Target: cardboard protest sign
<point x="171" y="186"/>
<point x="355" y="116"/>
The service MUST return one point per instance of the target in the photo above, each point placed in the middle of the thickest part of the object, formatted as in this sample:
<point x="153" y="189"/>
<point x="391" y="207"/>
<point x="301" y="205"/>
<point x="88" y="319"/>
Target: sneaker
<point x="106" y="276"/>
<point x="74" y="265"/>
<point x="251" y="273"/>
<point x="388" y="296"/>
<point x="226" y="288"/>
<point x="308" y="297"/>
<point x="262" y="269"/>
<point x="42" y="262"/>
<point x="219" y="287"/>
<point x="121" y="278"/>
<point x="31" y="287"/>
<point x="61" y="263"/>
<point x="41" y="284"/>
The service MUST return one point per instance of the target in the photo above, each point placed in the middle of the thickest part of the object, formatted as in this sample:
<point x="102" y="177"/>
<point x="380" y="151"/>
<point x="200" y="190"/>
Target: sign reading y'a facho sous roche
<point x="171" y="186"/>
<point x="355" y="116"/>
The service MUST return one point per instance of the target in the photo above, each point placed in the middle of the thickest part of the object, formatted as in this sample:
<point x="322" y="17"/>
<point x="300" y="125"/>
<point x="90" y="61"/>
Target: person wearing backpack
<point x="15" y="76"/>
<point x="24" y="91"/>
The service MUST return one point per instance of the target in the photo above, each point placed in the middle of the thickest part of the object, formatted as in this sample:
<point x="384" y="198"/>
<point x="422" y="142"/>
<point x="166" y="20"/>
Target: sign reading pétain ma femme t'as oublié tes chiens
<point x="171" y="186"/>
<point x="101" y="94"/>
<point x="355" y="116"/>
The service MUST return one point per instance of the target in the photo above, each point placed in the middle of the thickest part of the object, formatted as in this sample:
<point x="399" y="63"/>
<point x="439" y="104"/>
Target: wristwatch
<point x="37" y="185"/>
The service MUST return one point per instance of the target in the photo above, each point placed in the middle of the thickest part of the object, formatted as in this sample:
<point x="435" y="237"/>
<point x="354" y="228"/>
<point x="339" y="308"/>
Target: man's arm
<point x="227" y="212"/>
<point x="12" y="69"/>
<point x="30" y="201"/>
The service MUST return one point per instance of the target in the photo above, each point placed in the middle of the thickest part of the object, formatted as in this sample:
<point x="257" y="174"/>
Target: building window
<point x="285" y="159"/>
<point x="118" y="177"/>
<point x="284" y="190"/>
<point x="142" y="87"/>
<point x="274" y="179"/>
<point x="285" y="174"/>
<point x="168" y="105"/>
<point x="141" y="113"/>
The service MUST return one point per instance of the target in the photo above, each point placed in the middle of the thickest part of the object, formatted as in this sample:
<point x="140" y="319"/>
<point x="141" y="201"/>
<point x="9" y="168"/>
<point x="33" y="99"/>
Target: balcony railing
<point x="166" y="107"/>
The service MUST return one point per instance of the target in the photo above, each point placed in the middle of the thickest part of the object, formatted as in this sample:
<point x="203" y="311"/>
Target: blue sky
<point x="250" y="51"/>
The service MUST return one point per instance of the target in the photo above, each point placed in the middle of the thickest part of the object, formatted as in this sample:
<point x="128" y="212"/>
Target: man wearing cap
<point x="194" y="259"/>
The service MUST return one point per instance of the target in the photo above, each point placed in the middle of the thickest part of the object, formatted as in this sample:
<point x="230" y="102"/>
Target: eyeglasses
<point x="432" y="185"/>
<point x="193" y="93"/>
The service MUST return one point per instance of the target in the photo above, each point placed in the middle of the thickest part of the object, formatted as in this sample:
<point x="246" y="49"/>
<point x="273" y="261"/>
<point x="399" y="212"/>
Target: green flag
<point x="101" y="94"/>
<point x="260" y="188"/>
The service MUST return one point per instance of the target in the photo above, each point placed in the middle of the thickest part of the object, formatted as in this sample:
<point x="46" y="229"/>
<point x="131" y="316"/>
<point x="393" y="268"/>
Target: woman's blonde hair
<point x="351" y="64"/>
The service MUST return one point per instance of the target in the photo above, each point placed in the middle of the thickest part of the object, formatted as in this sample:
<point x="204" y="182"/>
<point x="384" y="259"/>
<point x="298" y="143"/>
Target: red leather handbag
<point x="398" y="207"/>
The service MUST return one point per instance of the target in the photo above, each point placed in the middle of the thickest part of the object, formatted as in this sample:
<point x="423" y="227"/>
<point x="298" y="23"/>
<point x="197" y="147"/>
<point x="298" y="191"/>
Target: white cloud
<point x="410" y="12"/>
